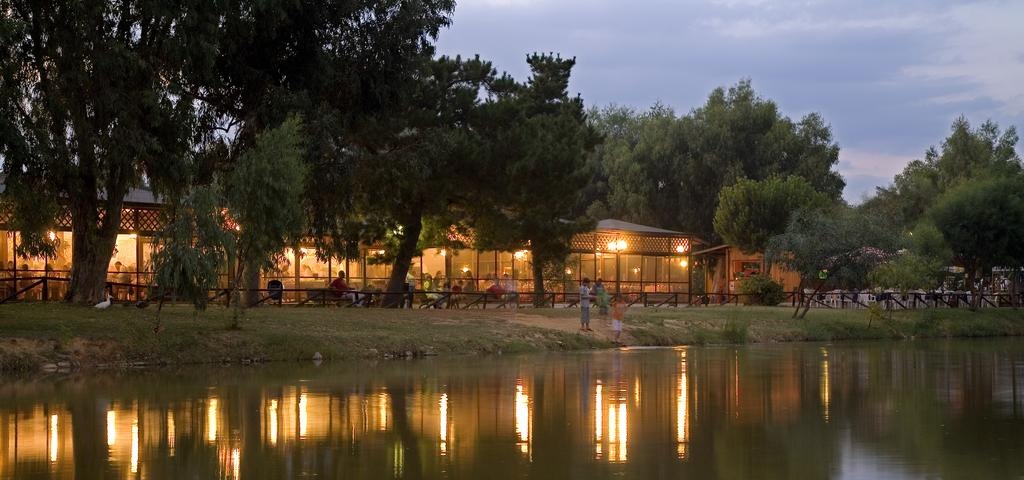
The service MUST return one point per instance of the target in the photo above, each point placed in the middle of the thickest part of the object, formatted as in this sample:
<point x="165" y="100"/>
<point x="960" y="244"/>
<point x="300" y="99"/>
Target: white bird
<point x="104" y="304"/>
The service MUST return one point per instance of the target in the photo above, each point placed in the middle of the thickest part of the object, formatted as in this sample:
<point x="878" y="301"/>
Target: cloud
<point x="879" y="164"/>
<point x="982" y="53"/>
<point x="761" y="27"/>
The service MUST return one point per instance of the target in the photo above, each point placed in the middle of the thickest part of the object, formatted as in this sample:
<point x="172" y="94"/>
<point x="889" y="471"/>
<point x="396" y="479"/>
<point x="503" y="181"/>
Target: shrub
<point x="761" y="290"/>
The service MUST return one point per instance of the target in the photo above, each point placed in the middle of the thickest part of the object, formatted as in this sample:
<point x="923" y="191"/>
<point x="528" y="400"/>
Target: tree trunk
<point x="93" y="242"/>
<point x="799" y="296"/>
<point x="975" y="299"/>
<point x="539" y="299"/>
<point x="251" y="284"/>
<point x="406" y="250"/>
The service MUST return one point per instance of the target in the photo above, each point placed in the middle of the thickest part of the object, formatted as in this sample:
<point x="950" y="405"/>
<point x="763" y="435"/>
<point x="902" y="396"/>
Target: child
<point x="618" y="313"/>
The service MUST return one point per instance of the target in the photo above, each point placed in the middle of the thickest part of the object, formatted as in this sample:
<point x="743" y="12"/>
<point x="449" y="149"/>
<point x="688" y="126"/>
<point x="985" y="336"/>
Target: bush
<point x="761" y="290"/>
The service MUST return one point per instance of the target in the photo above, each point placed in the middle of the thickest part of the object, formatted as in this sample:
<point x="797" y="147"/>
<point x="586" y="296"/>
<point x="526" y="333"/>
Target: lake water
<point x="949" y="409"/>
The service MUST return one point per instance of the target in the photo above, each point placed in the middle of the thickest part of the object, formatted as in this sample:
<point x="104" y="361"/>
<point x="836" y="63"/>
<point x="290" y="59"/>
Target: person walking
<point x="585" y="297"/>
<point x="601" y="296"/>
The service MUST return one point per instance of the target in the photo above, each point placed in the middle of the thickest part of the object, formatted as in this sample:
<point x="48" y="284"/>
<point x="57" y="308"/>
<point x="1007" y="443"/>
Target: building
<point x="629" y="258"/>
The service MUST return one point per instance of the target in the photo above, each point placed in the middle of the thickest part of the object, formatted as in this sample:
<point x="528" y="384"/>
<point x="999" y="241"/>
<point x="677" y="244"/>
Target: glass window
<point x="435" y="264"/>
<point x="679" y="274"/>
<point x="587" y="267"/>
<point x="488" y="266"/>
<point x="606" y="267"/>
<point x="464" y="268"/>
<point x="313" y="273"/>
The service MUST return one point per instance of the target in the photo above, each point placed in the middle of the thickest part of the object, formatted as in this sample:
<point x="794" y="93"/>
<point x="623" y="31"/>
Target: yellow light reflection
<point x="382" y="410"/>
<point x="303" y="418"/>
<point x="826" y="389"/>
<point x="236" y="462"/>
<point x="522" y="417"/>
<point x="443" y="427"/>
<point x="211" y="420"/>
<point x="622" y="432"/>
<point x="53" y="438"/>
<point x="598" y="420"/>
<point x="273" y="422"/>
<point x="636" y="391"/>
<point x="111" y="428"/>
<point x="682" y="412"/>
<point x="399" y="460"/>
<point x="135" y="446"/>
<point x="170" y="433"/>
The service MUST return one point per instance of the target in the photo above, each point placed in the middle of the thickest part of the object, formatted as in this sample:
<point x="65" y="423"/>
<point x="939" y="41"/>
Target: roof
<point x="619" y="225"/>
<point x="134" y="195"/>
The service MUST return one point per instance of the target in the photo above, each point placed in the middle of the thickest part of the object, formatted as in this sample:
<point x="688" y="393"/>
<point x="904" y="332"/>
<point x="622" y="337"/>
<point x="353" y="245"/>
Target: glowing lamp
<point x="568" y="271"/>
<point x="443" y="252"/>
<point x="465" y="269"/>
<point x="683" y="263"/>
<point x="52" y="236"/>
<point x="680" y="249"/>
<point x="520" y="255"/>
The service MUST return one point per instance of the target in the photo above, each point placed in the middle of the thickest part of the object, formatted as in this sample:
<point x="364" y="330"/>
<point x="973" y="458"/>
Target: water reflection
<point x="937" y="409"/>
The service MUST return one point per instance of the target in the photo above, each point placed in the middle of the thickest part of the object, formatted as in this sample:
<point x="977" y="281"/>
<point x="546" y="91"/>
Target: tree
<point x="193" y="247"/>
<point x="424" y="171"/>
<point x="918" y="265"/>
<point x="837" y="247"/>
<point x="750" y="212"/>
<point x="667" y="170"/>
<point x="87" y="111"/>
<point x="965" y="154"/>
<point x="982" y="221"/>
<point x="537" y="139"/>
<point x="263" y="193"/>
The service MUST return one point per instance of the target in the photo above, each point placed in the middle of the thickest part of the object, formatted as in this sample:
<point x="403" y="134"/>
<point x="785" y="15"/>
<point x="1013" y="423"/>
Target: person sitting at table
<point x="340" y="289"/>
<point x="495" y="289"/>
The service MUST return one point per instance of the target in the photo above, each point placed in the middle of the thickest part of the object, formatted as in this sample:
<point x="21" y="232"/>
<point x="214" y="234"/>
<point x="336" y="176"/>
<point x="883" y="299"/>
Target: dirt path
<point x="602" y="327"/>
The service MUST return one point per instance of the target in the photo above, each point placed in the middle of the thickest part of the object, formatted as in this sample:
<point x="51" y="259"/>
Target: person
<point x="511" y="289"/>
<point x="585" y="297"/>
<point x="601" y="294"/>
<point x="618" y="315"/>
<point x="495" y="289"/>
<point x="340" y="288"/>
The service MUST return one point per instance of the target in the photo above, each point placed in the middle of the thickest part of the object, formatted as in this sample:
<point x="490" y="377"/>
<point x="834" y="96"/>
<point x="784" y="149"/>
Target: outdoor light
<point x="568" y="271"/>
<point x="617" y="245"/>
<point x="680" y="249"/>
<point x="465" y="269"/>
<point x="520" y="255"/>
<point x="683" y="263"/>
<point x="52" y="235"/>
<point x="443" y="252"/>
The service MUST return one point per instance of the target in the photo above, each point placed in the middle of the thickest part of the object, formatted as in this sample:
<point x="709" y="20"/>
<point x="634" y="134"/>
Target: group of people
<point x="600" y="295"/>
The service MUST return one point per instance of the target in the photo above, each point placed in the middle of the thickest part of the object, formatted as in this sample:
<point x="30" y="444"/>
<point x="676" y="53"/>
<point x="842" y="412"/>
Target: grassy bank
<point x="33" y="335"/>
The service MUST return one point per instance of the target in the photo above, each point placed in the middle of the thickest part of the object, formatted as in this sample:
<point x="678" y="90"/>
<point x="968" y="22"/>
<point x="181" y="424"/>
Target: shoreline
<point x="57" y="337"/>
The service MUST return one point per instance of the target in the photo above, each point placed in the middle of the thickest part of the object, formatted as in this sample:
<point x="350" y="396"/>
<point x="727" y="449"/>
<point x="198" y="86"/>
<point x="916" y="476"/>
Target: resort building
<point x="629" y="258"/>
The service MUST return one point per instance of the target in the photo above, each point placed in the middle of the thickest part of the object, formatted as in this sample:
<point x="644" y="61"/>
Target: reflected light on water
<point x="826" y="388"/>
<point x="111" y="428"/>
<point x="383" y="403"/>
<point x="170" y="432"/>
<point x="598" y="420"/>
<point x="522" y="417"/>
<point x="443" y="427"/>
<point x="272" y="420"/>
<point x="135" y="446"/>
<point x="236" y="461"/>
<point x="682" y="412"/>
<point x="211" y="420"/>
<point x="303" y="418"/>
<point x="53" y="438"/>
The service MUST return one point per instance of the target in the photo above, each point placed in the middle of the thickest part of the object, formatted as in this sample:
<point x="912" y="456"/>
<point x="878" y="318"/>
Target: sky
<point x="890" y="76"/>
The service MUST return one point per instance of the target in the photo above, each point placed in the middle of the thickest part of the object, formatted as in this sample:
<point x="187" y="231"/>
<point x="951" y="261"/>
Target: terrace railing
<point x="50" y="288"/>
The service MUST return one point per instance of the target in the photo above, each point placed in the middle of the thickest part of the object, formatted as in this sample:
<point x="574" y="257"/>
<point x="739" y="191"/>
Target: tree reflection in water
<point x="786" y="411"/>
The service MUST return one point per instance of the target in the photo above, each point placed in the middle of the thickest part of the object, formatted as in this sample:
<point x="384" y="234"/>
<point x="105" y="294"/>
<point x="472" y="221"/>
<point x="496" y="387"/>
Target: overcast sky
<point x="889" y="75"/>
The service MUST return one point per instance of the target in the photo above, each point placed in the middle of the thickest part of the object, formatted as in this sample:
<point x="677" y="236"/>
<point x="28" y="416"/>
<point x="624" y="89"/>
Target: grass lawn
<point x="36" y="334"/>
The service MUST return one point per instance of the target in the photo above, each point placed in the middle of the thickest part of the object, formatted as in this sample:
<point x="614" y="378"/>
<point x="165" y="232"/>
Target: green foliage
<point x="263" y="194"/>
<point x="537" y="143"/>
<point x="919" y="265"/>
<point x="736" y="331"/>
<point x="982" y="221"/>
<point x="750" y="212"/>
<point x="965" y="155"/>
<point x="193" y="247"/>
<point x="843" y="242"/>
<point x="761" y="290"/>
<point x="667" y="170"/>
